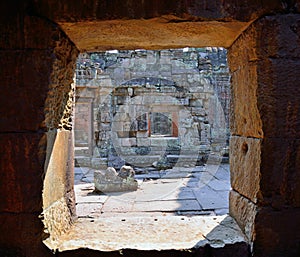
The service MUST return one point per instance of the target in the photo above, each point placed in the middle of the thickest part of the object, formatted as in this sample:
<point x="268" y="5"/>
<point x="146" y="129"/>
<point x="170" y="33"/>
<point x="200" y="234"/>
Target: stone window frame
<point x="235" y="215"/>
<point x="58" y="205"/>
<point x="174" y="127"/>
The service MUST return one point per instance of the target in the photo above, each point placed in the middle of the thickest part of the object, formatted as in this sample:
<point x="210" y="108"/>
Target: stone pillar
<point x="265" y="127"/>
<point x="35" y="96"/>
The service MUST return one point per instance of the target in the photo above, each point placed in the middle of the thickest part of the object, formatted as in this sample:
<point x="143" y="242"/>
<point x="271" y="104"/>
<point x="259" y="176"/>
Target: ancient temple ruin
<point x="39" y="45"/>
<point x="145" y="108"/>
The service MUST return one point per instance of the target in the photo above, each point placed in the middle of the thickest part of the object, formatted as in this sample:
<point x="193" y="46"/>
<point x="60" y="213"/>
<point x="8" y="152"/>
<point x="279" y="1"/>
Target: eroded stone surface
<point x="246" y="166"/>
<point x="148" y="233"/>
<point x="244" y="212"/>
<point x="111" y="181"/>
<point x="245" y="118"/>
<point x="157" y="33"/>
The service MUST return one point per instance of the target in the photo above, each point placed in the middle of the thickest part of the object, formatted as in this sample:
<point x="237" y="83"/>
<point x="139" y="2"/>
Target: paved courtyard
<point x="201" y="190"/>
<point x="180" y="208"/>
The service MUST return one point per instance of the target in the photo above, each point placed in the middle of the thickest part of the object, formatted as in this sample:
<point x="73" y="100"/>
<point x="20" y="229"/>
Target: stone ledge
<point x="159" y="233"/>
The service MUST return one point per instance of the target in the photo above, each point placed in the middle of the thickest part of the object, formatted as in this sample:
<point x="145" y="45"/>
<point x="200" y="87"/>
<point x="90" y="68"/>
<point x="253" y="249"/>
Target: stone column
<point x="35" y="96"/>
<point x="265" y="128"/>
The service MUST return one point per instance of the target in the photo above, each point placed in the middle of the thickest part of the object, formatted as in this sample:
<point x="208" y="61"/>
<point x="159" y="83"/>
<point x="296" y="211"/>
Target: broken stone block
<point x="126" y="172"/>
<point x="112" y="181"/>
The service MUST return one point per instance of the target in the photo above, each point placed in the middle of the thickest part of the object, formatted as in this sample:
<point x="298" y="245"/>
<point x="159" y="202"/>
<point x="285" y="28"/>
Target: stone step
<point x="82" y="161"/>
<point x="149" y="160"/>
<point x="81" y="151"/>
<point x="161" y="150"/>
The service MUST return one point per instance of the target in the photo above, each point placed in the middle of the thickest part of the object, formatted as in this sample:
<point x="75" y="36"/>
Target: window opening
<point x="163" y="113"/>
<point x="161" y="124"/>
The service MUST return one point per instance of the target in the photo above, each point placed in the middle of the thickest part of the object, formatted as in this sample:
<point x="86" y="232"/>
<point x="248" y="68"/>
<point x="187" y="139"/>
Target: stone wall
<point x="265" y="134"/>
<point x="264" y="60"/>
<point x="36" y="94"/>
<point x="120" y="92"/>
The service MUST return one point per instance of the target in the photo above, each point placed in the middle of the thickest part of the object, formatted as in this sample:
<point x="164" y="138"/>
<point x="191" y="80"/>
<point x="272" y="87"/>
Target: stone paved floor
<point x="180" y="209"/>
<point x="202" y="190"/>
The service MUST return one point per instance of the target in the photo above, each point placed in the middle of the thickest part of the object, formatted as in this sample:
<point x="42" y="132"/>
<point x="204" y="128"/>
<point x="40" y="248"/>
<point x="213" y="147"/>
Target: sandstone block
<point x="142" y="134"/>
<point x="279" y="97"/>
<point x="278" y="36"/>
<point x="22" y="159"/>
<point x="126" y="172"/>
<point x="143" y="142"/>
<point x="128" y="142"/>
<point x="247" y="41"/>
<point x="280" y="116"/>
<point x="12" y="34"/>
<point x="159" y="142"/>
<point x="56" y="181"/>
<point x="277" y="232"/>
<point x="245" y="166"/>
<point x="27" y="78"/>
<point x="22" y="234"/>
<point x="280" y="172"/>
<point x="110" y="181"/>
<point x="245" y="118"/>
<point x="244" y="212"/>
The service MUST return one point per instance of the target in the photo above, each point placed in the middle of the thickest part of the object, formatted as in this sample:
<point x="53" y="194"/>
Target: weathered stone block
<point x="280" y="115"/>
<point x="128" y="142"/>
<point x="142" y="134"/>
<point x="269" y="87"/>
<point x="196" y="103"/>
<point x="275" y="77"/>
<point x="57" y="218"/>
<point x="198" y="111"/>
<point x="245" y="118"/>
<point x="247" y="41"/>
<point x="152" y="57"/>
<point x="245" y="165"/>
<point x="279" y="97"/>
<point x="110" y="181"/>
<point x="22" y="159"/>
<point x="280" y="172"/>
<point x="39" y="33"/>
<point x="96" y="163"/>
<point x="59" y="152"/>
<point x="106" y="84"/>
<point x="143" y="142"/>
<point x="22" y="235"/>
<point x="27" y="78"/>
<point x="277" y="232"/>
<point x="126" y="172"/>
<point x="12" y="25"/>
<point x="279" y="36"/>
<point x="244" y="212"/>
<point x="165" y="67"/>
